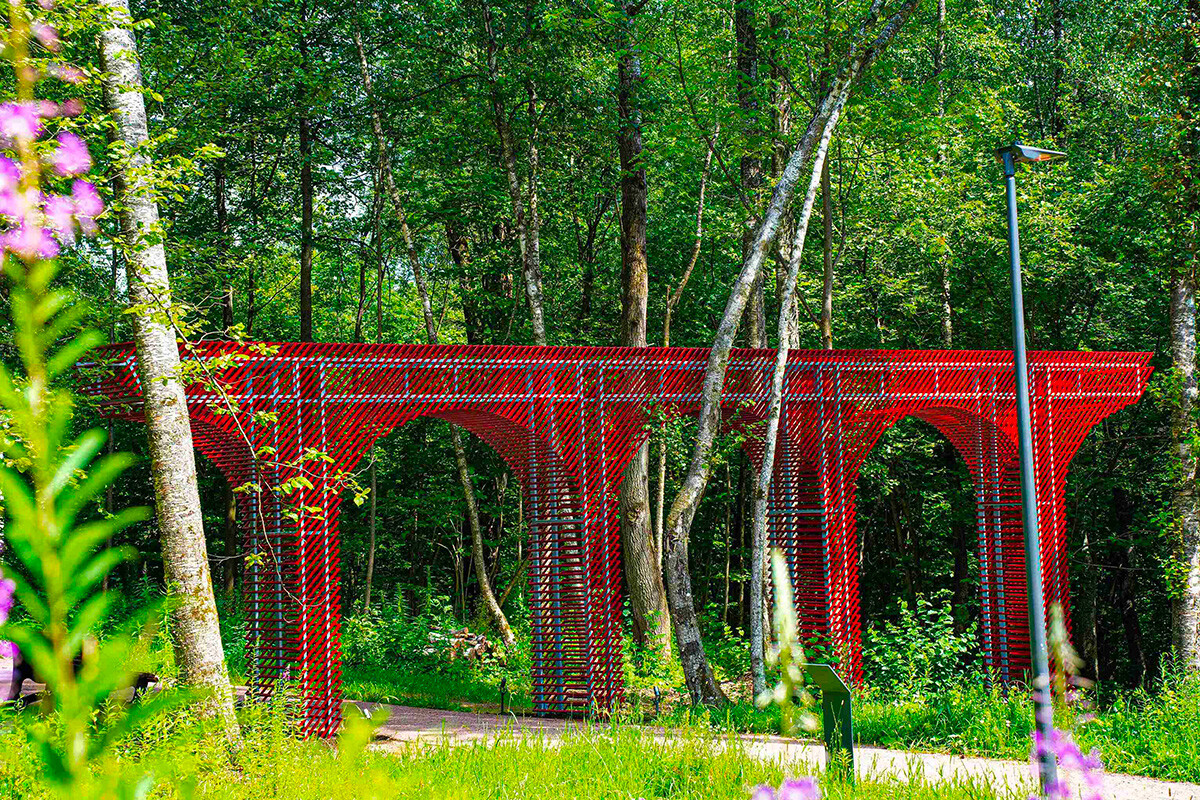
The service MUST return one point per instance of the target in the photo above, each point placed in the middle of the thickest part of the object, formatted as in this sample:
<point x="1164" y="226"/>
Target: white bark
<point x="758" y="547"/>
<point x="527" y="228"/>
<point x="1186" y="501"/>
<point x="683" y="510"/>
<point x="197" y="636"/>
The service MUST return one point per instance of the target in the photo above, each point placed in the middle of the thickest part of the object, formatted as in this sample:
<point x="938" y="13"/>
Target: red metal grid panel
<point x="294" y="419"/>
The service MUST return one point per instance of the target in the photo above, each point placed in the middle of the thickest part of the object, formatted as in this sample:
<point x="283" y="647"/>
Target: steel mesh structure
<point x="288" y="422"/>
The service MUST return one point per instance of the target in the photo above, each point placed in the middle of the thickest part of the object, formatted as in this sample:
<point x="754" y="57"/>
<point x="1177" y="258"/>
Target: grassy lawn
<point x="627" y="763"/>
<point x="1156" y="735"/>
<point x="453" y="691"/>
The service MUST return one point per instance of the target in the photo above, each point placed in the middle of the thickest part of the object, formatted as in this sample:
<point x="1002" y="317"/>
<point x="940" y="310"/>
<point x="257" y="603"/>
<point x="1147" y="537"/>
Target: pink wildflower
<point x="20" y="120"/>
<point x="7" y="587"/>
<point x="10" y="174"/>
<point x="71" y="157"/>
<point x="88" y="205"/>
<point x="60" y="216"/>
<point x="792" y="789"/>
<point x="799" y="789"/>
<point x="71" y="108"/>
<point x="47" y="36"/>
<point x="1072" y="763"/>
<point x="17" y="205"/>
<point x="67" y="73"/>
<point x="30" y="242"/>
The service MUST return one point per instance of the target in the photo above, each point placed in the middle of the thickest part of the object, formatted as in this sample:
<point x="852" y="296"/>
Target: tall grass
<point x="620" y="762"/>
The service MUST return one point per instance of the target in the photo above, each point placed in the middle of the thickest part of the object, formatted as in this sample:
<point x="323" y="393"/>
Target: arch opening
<point x="917" y="537"/>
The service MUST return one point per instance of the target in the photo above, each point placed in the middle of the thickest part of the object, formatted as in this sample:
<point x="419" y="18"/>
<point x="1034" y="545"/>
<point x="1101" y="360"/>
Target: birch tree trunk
<point x="1184" y="427"/>
<point x="672" y="301"/>
<point x="527" y="228"/>
<point x="827" y="253"/>
<point x="763" y="486"/>
<point x="196" y="632"/>
<point x="494" y="612"/>
<point x="696" y="668"/>
<point x="1185" y="502"/>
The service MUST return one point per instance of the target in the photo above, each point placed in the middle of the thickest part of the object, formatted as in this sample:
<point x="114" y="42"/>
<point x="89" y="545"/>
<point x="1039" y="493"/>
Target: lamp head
<point x="1024" y="154"/>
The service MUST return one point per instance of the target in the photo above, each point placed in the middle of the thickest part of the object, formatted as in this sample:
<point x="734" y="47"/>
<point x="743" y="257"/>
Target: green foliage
<point x="920" y="652"/>
<point x="589" y="763"/>
<point x="400" y="659"/>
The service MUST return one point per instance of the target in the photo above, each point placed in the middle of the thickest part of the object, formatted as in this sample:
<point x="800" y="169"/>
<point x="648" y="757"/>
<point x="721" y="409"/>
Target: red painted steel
<point x="289" y="422"/>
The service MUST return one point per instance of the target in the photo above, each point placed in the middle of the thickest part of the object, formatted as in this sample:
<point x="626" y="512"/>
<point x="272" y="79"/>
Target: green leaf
<point x="100" y="476"/>
<point x="96" y="569"/>
<point x="86" y="448"/>
<point x="69" y="354"/>
<point x="84" y="539"/>
<point x="85" y="620"/>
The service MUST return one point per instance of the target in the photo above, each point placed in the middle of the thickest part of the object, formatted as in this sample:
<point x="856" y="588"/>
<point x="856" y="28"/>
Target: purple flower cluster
<point x="793" y="789"/>
<point x="40" y="223"/>
<point x="37" y="223"/>
<point x="1075" y="768"/>
<point x="7" y="587"/>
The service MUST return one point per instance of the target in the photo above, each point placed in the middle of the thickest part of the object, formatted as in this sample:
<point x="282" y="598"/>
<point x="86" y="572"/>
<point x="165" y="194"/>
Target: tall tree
<point x="643" y="571"/>
<point x="751" y="165"/>
<point x="1185" y="429"/>
<point x="696" y="668"/>
<point x="199" y="651"/>
<point x="305" y="126"/>
<point x="527" y="225"/>
<point x="492" y="607"/>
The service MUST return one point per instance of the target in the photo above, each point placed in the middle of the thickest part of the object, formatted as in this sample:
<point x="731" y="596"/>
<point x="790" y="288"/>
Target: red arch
<point x="569" y="419"/>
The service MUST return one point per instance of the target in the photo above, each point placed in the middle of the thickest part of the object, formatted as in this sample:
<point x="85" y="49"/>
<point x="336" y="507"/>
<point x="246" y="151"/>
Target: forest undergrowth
<point x="623" y="761"/>
<point x="925" y="690"/>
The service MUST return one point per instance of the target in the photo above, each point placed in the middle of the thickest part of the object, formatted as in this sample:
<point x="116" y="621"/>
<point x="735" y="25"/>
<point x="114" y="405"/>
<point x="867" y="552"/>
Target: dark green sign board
<point x="836" y="715"/>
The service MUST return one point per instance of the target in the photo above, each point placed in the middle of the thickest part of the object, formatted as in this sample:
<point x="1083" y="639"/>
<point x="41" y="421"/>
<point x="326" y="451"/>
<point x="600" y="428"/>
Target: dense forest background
<point x="504" y="121"/>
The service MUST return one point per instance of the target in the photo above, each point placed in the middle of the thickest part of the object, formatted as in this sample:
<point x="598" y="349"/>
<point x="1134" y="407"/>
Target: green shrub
<point x="921" y="652"/>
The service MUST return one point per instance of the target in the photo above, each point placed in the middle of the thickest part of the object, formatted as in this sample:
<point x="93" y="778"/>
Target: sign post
<point x="837" y="719"/>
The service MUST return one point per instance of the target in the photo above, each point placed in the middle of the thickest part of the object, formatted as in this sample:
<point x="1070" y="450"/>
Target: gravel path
<point x="407" y="725"/>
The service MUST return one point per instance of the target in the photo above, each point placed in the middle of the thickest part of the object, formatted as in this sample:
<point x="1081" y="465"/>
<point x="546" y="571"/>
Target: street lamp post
<point x="1009" y="157"/>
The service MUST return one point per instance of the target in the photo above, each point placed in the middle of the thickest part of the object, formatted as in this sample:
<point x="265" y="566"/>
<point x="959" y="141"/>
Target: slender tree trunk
<point x="222" y="210"/>
<point x="530" y="250"/>
<point x="781" y="111"/>
<point x="1186" y="501"/>
<point x="232" y="543"/>
<point x="672" y="301"/>
<point x="464" y="476"/>
<point x="369" y="252"/>
<point x="696" y="668"/>
<point x="751" y="173"/>
<point x="827" y="252"/>
<point x="751" y="166"/>
<point x="939" y="65"/>
<point x="371" y="526"/>
<point x="728" y="544"/>
<point x="306" y="228"/>
<point x="1126" y="592"/>
<point x="197" y="634"/>
<point x="775" y="403"/>
<point x="643" y="573"/>
<point x="251" y="307"/>
<point x="532" y="272"/>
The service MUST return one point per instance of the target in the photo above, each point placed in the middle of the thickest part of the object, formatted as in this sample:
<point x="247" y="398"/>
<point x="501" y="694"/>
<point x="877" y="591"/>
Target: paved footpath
<point x="406" y="726"/>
